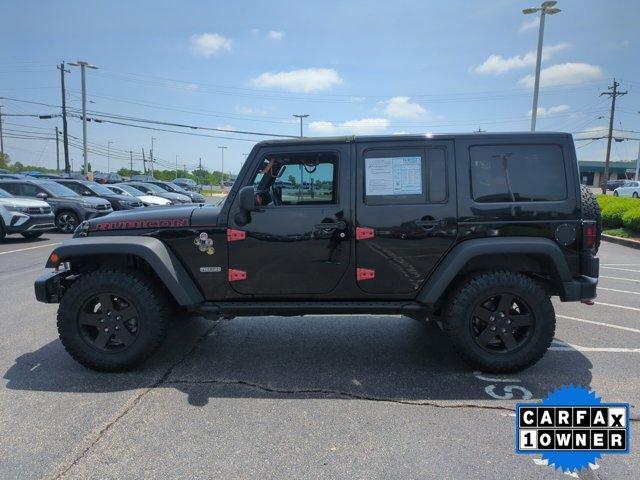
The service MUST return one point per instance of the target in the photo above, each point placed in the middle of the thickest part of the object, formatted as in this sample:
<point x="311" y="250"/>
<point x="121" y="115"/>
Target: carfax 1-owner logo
<point x="572" y="428"/>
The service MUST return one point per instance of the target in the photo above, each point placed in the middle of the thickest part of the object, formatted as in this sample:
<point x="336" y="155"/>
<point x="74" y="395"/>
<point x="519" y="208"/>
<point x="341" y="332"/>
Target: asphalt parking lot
<point x="314" y="397"/>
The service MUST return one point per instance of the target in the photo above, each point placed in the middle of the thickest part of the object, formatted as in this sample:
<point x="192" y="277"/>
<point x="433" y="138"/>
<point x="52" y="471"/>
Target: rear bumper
<point x="580" y="288"/>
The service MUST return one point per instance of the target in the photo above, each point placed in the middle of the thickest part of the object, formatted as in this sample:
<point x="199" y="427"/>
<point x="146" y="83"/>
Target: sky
<point x="355" y="67"/>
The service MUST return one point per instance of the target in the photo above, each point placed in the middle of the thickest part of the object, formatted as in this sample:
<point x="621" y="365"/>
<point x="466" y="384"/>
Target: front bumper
<point x="50" y="286"/>
<point x="34" y="223"/>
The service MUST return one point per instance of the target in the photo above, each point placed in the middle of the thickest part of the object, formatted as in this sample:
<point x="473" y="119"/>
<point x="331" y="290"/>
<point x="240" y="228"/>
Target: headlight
<point x="18" y="209"/>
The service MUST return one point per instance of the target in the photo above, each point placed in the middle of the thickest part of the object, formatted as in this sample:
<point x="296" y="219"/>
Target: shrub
<point x="613" y="208"/>
<point x="631" y="219"/>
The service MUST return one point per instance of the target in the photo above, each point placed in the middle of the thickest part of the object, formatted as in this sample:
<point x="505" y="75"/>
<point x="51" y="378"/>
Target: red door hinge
<point x="364" y="233"/>
<point x="235" y="275"/>
<point x="235" y="235"/>
<point x="365" y="274"/>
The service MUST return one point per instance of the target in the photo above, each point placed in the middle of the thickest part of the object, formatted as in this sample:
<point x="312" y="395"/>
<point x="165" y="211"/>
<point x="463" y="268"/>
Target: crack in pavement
<point x="325" y="391"/>
<point x="95" y="436"/>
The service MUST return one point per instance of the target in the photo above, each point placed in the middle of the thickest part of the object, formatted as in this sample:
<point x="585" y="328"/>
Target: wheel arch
<point x="519" y="254"/>
<point x="141" y="252"/>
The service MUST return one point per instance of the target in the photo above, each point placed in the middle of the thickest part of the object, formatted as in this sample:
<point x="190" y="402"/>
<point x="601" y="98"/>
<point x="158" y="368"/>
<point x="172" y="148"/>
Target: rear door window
<point x="517" y="173"/>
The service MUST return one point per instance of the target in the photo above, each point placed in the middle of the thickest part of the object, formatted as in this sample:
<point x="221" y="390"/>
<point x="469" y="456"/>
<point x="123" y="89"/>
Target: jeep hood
<point x="151" y="218"/>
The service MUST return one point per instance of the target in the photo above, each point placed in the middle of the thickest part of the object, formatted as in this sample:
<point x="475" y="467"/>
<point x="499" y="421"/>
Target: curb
<point x="627" y="242"/>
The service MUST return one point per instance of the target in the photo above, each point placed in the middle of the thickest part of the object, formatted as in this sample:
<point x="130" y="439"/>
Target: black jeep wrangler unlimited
<point x="476" y="232"/>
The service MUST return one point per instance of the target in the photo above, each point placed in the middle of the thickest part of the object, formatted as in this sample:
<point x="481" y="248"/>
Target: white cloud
<point x="365" y="126"/>
<point x="529" y="24"/>
<point x="402" y="107"/>
<point x="275" y="35"/>
<point x="543" y="112"/>
<point x="496" y="64"/>
<point x="564" y="74"/>
<point x="625" y="43"/>
<point x="305" y="80"/>
<point x="208" y="44"/>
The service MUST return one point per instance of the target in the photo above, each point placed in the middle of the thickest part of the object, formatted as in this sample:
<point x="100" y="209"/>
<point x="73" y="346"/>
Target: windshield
<point x="58" y="190"/>
<point x="176" y="188"/>
<point x="99" y="189"/>
<point x="154" y="188"/>
<point x="130" y="190"/>
<point x="4" y="194"/>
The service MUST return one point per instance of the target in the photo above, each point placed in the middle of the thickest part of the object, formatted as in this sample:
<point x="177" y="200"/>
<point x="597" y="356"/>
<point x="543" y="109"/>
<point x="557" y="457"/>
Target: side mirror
<point x="42" y="195"/>
<point x="247" y="199"/>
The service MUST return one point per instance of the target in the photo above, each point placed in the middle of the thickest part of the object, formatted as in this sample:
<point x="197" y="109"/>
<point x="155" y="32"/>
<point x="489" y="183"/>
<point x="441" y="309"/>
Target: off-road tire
<point x="591" y="211"/>
<point x="140" y="290"/>
<point x="457" y="319"/>
<point x="31" y="235"/>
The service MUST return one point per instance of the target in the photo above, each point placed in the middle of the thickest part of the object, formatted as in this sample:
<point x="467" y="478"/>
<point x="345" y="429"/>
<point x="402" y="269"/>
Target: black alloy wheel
<point x="502" y="323"/>
<point x="66" y="222"/>
<point x="108" y="323"/>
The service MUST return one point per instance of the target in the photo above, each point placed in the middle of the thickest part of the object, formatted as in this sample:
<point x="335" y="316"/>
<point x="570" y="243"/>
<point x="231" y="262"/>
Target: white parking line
<point x="623" y="269"/>
<point x="618" y="306"/>
<point x="561" y="346"/>
<point x="621" y="278"/>
<point x="619" y="291"/>
<point x="620" y="265"/>
<point x="30" y="248"/>
<point x="602" y="324"/>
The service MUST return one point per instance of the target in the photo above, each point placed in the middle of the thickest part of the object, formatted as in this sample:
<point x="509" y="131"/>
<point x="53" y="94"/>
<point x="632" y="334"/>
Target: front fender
<point x="161" y="260"/>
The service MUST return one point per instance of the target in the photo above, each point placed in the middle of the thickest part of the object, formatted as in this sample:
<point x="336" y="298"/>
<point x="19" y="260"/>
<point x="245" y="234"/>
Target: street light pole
<point x="222" y="158"/>
<point x="82" y="65"/>
<point x="544" y="9"/>
<point x="301" y="116"/>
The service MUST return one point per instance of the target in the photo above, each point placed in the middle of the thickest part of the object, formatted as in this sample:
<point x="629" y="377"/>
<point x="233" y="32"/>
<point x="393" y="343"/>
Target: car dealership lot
<point x="320" y="396"/>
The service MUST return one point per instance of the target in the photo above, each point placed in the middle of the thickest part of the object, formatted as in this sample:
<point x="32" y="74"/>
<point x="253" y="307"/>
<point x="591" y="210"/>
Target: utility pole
<point x="301" y="116"/>
<point x="83" y="66"/>
<point x="222" y="158"/>
<point x="65" y="138"/>
<point x="637" y="164"/>
<point x="177" y="165"/>
<point x="613" y="94"/>
<point x="57" y="152"/>
<point x="1" y="140"/>
<point x="109" y="157"/>
<point x="131" y="164"/>
<point x="151" y="157"/>
<point x="200" y="170"/>
<point x="144" y="162"/>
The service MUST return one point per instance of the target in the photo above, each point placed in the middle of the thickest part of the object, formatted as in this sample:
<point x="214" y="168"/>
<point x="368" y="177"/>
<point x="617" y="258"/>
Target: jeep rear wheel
<point x="500" y="321"/>
<point x="112" y="320"/>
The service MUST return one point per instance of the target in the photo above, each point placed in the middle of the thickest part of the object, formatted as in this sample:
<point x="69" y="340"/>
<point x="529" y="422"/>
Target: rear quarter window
<point x="517" y="173"/>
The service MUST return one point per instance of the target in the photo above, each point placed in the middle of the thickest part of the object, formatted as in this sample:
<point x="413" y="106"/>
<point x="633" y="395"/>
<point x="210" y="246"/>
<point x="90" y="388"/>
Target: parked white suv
<point x="25" y="216"/>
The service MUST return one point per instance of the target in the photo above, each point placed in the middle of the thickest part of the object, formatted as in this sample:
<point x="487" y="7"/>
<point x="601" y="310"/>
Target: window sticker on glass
<point x="393" y="176"/>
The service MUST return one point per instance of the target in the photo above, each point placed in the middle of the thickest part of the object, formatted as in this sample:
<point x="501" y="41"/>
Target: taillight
<point x="589" y="235"/>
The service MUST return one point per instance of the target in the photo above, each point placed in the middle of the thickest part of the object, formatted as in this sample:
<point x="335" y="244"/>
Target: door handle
<point x="428" y="224"/>
<point x="332" y="226"/>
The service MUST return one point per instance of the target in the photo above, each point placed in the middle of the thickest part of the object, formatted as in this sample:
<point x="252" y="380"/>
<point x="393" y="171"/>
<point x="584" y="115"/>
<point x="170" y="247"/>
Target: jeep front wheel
<point x="112" y="320"/>
<point x="500" y="321"/>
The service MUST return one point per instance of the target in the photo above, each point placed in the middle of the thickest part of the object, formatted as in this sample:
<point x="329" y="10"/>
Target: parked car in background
<point x="147" y="200"/>
<point x="12" y="176"/>
<point x="152" y="189"/>
<point x="93" y="189"/>
<point x="101" y="177"/>
<point x="173" y="188"/>
<point x="188" y="184"/>
<point x="28" y="217"/>
<point x="142" y="178"/>
<point x="69" y="208"/>
<point x="613" y="184"/>
<point x="2" y="170"/>
<point x="43" y="175"/>
<point x="629" y="189"/>
<point x="76" y="175"/>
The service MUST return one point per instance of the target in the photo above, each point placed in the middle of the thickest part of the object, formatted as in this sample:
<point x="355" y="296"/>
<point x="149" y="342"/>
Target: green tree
<point x="4" y="160"/>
